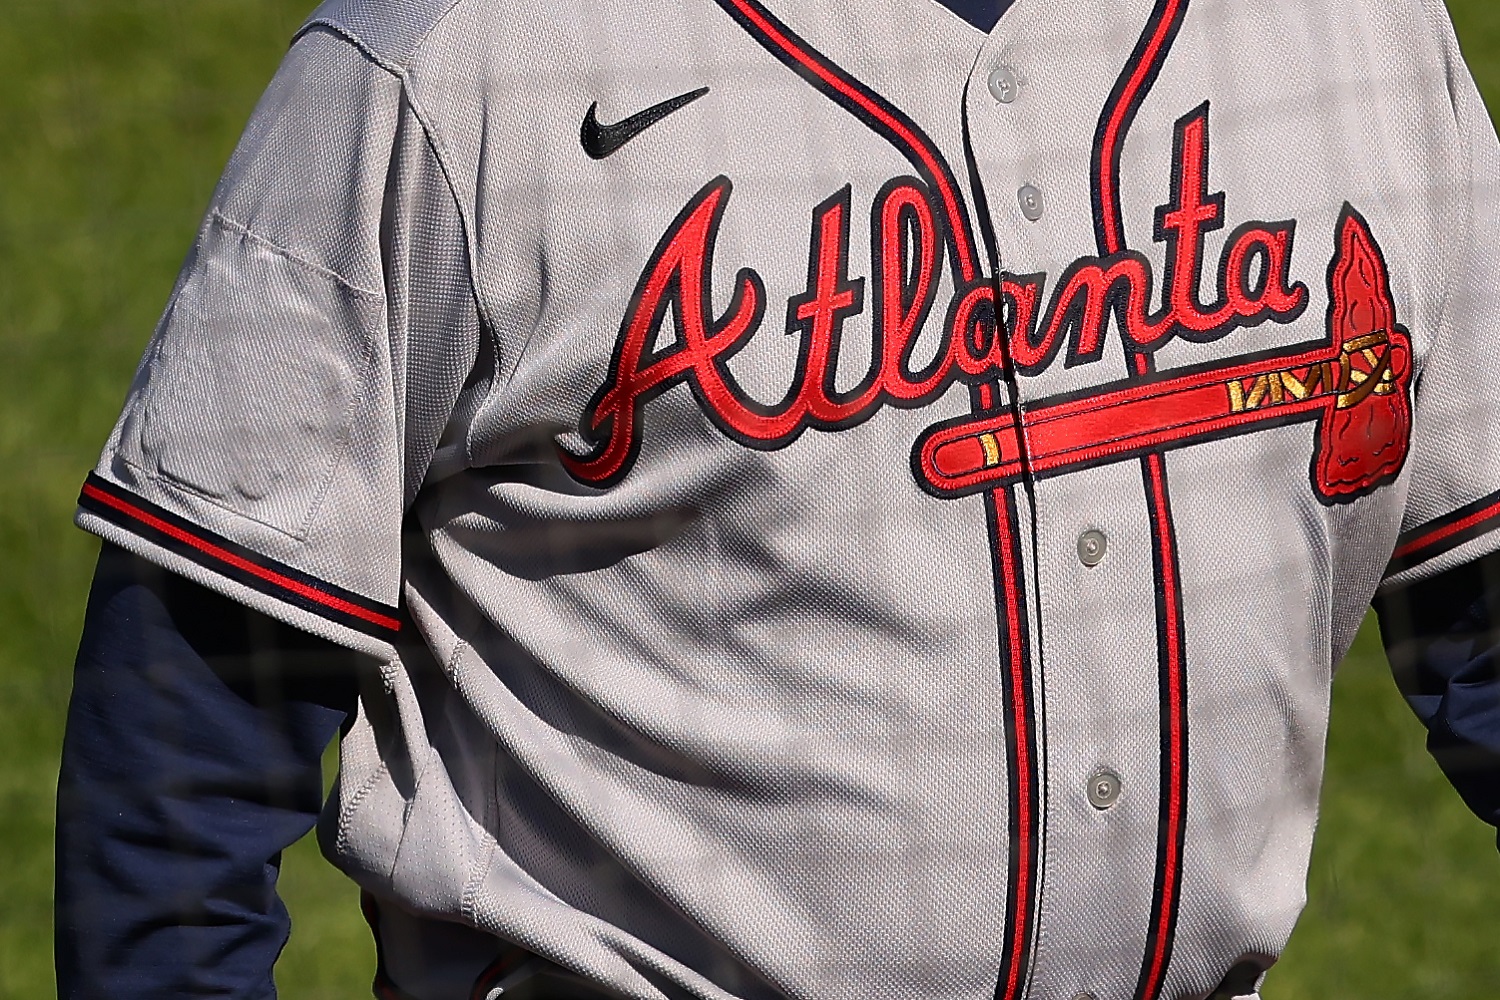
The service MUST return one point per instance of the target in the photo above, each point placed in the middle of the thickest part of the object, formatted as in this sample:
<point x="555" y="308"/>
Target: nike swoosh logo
<point x="601" y="140"/>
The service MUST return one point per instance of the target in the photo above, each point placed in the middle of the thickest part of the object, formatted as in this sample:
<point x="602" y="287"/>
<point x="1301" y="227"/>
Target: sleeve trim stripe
<point x="219" y="554"/>
<point x="1445" y="534"/>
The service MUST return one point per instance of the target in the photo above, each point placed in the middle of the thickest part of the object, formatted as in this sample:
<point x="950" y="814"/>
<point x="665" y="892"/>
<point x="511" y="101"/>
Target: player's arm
<point x="278" y="429"/>
<point x="1442" y="635"/>
<point x="191" y="760"/>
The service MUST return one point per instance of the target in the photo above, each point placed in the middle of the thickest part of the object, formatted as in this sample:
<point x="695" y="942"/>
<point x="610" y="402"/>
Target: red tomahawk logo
<point x="1356" y="387"/>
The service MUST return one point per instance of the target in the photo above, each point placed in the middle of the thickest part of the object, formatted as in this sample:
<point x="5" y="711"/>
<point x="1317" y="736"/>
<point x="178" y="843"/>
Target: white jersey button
<point x="1030" y="198"/>
<point x="1091" y="547"/>
<point x="1104" y="789"/>
<point x="1004" y="85"/>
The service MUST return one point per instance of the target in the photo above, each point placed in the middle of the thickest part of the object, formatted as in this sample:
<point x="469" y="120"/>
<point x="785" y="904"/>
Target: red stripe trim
<point x="1436" y="535"/>
<point x="240" y="563"/>
<point x="1114" y="132"/>
<point x="1125" y="101"/>
<point x="936" y="166"/>
<point x="1024" y="823"/>
<point x="1174" y="814"/>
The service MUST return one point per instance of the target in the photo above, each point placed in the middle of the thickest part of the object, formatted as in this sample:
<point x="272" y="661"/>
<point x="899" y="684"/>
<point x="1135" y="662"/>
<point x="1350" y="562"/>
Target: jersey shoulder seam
<point x="341" y="17"/>
<point x="217" y="217"/>
<point x="374" y="27"/>
<point x="466" y="216"/>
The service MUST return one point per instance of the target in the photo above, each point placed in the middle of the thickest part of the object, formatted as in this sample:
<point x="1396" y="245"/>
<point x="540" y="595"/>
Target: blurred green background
<point x="115" y="119"/>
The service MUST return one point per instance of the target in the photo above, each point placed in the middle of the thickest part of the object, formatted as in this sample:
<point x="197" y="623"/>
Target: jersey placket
<point x="1006" y="508"/>
<point x="1102" y="570"/>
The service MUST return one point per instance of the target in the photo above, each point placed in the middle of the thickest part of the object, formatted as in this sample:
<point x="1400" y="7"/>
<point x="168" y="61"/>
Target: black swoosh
<point x="601" y="140"/>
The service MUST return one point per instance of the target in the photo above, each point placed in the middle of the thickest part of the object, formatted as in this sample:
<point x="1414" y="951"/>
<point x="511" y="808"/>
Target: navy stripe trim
<point x="1445" y="534"/>
<point x="229" y="559"/>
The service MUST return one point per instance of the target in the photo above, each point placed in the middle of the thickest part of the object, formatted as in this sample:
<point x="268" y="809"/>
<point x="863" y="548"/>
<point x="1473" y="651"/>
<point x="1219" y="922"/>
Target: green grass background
<point x="115" y="119"/>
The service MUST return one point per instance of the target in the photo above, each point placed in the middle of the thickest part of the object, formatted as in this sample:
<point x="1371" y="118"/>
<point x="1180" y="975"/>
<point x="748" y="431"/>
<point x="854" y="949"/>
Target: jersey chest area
<point x="1070" y="350"/>
<point x="991" y="259"/>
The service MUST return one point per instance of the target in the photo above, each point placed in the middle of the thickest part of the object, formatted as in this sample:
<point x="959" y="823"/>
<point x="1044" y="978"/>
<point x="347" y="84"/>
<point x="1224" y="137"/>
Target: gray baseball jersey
<point x="848" y="507"/>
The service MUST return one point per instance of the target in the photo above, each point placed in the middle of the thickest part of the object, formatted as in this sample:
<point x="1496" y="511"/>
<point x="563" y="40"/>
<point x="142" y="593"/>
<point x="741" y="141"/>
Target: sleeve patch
<point x="253" y="380"/>
<point x="1445" y="534"/>
<point x="228" y="559"/>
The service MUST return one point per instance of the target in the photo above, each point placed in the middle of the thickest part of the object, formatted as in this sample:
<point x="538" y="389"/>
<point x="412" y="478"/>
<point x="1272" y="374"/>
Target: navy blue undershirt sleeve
<point x="1443" y="639"/>
<point x="191" y="760"/>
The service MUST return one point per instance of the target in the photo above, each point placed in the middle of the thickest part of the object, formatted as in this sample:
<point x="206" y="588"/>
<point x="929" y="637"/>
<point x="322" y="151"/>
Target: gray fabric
<point x="320" y="335"/>
<point x="1457" y="440"/>
<point x="733" y="726"/>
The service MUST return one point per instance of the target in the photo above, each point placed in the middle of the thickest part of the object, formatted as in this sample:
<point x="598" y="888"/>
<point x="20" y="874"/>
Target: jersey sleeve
<point x="291" y="399"/>
<point x="1452" y="511"/>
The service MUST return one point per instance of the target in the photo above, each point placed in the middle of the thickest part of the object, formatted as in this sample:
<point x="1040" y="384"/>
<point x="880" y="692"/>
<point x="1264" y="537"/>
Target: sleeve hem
<point x="316" y="606"/>
<point x="1455" y="538"/>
